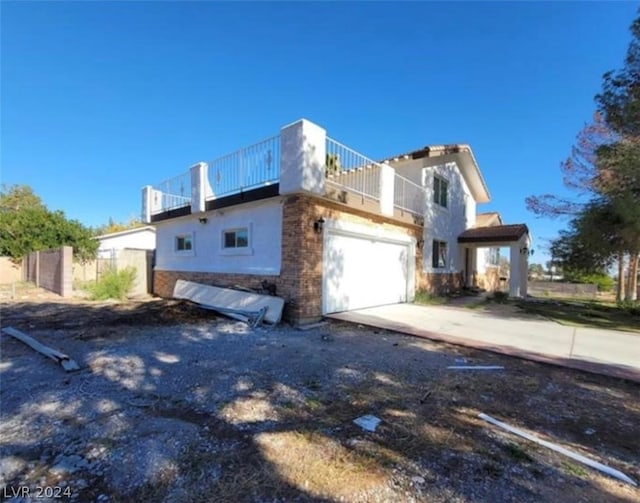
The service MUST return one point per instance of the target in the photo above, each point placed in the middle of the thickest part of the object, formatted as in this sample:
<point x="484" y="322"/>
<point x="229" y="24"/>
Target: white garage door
<point x="364" y="271"/>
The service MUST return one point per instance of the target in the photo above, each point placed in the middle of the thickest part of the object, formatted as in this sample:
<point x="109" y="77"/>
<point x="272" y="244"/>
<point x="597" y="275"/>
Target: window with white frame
<point x="439" y="256"/>
<point x="235" y="238"/>
<point x="184" y="243"/>
<point x="493" y="257"/>
<point x="440" y="190"/>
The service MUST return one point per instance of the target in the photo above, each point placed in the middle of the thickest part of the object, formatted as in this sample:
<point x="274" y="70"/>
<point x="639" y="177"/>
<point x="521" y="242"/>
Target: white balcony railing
<point x="248" y="168"/>
<point x="408" y="196"/>
<point x="172" y="193"/>
<point x="349" y="170"/>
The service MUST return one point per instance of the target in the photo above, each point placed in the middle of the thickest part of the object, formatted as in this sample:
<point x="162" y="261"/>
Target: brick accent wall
<point x="439" y="283"/>
<point x="300" y="280"/>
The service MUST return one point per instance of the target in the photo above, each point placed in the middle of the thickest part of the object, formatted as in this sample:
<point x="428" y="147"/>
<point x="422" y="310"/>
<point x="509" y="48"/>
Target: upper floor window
<point x="493" y="257"/>
<point x="184" y="242"/>
<point x="440" y="189"/>
<point x="439" y="256"/>
<point x="236" y="238"/>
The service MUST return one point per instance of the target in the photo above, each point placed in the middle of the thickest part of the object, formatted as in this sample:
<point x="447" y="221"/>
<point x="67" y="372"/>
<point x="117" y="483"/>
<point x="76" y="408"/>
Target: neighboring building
<point x="137" y="238"/>
<point x="331" y="229"/>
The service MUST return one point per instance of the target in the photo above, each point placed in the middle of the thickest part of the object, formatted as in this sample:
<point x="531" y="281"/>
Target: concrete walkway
<point x="609" y="352"/>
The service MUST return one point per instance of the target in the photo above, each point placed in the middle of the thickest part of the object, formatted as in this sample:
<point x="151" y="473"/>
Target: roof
<point x="488" y="219"/>
<point x="454" y="151"/>
<point x="493" y="234"/>
<point x="128" y="231"/>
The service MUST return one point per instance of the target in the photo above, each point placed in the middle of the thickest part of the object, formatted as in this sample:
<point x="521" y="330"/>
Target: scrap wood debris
<point x="67" y="363"/>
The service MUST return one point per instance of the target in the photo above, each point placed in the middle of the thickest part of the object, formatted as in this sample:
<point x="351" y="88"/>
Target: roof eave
<point x="468" y="165"/>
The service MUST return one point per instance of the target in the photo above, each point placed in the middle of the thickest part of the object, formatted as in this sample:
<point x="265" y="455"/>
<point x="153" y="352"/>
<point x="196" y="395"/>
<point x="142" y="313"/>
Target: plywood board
<point x="230" y="299"/>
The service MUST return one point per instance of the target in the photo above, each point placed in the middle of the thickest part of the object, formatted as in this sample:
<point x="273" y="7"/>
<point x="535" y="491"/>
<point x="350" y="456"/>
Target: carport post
<point x="514" y="270"/>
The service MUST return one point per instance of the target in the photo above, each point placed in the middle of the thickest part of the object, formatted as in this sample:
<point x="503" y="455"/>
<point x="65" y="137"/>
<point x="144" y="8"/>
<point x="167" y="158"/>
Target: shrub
<point x="630" y="306"/>
<point x="113" y="284"/>
<point x="423" y="297"/>
<point x="500" y="297"/>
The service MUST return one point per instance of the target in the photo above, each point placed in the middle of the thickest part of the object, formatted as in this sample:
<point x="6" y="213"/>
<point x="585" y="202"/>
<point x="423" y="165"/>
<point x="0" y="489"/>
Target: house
<point x="328" y="228"/>
<point x="133" y="248"/>
<point x="137" y="238"/>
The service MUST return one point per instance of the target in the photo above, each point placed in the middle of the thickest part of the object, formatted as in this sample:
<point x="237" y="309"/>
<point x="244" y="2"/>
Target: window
<point x="184" y="242"/>
<point x="439" y="256"/>
<point x="440" y="189"/>
<point x="493" y="257"/>
<point x="236" y="238"/>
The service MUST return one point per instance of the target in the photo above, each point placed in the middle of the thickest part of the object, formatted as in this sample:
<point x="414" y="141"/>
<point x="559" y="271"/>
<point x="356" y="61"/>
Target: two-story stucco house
<point x="331" y="229"/>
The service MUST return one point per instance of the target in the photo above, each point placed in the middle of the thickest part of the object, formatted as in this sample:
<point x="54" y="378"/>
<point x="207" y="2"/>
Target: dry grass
<point x="274" y="413"/>
<point x="321" y="465"/>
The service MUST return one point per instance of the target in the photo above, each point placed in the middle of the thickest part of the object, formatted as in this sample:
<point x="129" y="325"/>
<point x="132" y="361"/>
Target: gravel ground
<point x="174" y="404"/>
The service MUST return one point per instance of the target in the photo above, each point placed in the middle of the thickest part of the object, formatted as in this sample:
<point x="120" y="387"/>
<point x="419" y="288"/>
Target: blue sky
<point x="99" y="99"/>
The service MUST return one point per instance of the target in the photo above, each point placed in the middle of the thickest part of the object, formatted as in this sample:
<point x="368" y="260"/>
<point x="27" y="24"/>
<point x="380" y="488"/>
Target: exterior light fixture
<point x="203" y="220"/>
<point x="318" y="225"/>
<point x="420" y="243"/>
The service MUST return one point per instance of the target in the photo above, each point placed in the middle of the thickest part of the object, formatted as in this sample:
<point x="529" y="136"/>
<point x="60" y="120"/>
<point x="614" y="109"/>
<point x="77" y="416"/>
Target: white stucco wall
<point x="263" y="255"/>
<point x="445" y="224"/>
<point x="143" y="238"/>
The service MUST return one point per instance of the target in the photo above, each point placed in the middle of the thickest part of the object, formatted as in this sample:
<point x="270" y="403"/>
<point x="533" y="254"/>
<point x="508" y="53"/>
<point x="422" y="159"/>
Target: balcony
<point x="300" y="159"/>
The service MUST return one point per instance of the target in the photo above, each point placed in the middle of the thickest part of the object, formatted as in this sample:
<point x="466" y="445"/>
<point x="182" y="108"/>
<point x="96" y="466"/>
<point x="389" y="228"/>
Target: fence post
<point x="38" y="269"/>
<point x="66" y="271"/>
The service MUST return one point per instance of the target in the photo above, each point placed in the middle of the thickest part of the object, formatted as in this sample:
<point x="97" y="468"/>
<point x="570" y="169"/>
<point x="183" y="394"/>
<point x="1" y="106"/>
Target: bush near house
<point x="113" y="284"/>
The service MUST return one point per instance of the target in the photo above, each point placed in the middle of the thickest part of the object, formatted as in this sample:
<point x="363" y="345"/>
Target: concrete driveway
<point x="509" y="332"/>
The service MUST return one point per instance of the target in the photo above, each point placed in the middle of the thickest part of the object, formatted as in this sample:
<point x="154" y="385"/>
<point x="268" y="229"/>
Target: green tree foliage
<point x="113" y="226"/>
<point x="619" y="100"/>
<point x="536" y="270"/>
<point x="18" y="197"/>
<point x="27" y="225"/>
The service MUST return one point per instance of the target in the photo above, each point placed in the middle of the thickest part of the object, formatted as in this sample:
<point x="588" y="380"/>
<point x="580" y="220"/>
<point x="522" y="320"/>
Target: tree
<point x="536" y="271"/>
<point x="113" y="226"/>
<point x="604" y="169"/>
<point x="27" y="225"/>
<point x="16" y="197"/>
<point x="619" y="100"/>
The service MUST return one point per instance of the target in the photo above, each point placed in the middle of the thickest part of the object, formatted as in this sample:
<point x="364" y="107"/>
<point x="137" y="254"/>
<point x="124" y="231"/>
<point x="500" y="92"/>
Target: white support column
<point x="519" y="267"/>
<point x="302" y="157"/>
<point x="199" y="186"/>
<point x="387" y="183"/>
<point x="151" y="203"/>
<point x="146" y="203"/>
<point x="515" y="259"/>
<point x="473" y="266"/>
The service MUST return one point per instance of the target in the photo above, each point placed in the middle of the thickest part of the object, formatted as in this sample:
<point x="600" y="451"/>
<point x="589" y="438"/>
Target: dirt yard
<point x="175" y="404"/>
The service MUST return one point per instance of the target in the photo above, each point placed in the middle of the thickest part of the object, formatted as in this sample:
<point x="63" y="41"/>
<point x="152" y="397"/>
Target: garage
<point x="366" y="267"/>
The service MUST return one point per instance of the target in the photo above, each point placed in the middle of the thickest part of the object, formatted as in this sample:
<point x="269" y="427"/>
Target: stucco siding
<point x="143" y="239"/>
<point x="262" y="256"/>
<point x="445" y="224"/>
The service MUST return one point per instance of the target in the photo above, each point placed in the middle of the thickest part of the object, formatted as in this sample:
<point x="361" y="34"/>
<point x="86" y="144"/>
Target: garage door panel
<point x="361" y="271"/>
